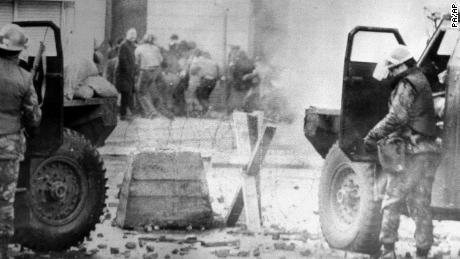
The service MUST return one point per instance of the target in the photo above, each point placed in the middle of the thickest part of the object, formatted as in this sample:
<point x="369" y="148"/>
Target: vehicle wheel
<point x="66" y="196"/>
<point x="350" y="218"/>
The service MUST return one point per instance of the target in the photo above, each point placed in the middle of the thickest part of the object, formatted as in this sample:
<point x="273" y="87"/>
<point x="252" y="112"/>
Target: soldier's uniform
<point x="12" y="147"/>
<point x="410" y="118"/>
<point x="19" y="108"/>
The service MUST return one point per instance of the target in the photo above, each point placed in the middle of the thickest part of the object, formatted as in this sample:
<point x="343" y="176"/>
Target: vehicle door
<point x="48" y="83"/>
<point x="364" y="99"/>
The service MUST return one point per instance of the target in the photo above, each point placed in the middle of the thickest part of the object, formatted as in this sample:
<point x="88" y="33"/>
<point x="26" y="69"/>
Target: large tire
<point x="350" y="218"/>
<point x="66" y="196"/>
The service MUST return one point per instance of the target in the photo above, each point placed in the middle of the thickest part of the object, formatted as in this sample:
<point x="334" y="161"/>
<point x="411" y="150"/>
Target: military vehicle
<point x="62" y="186"/>
<point x="351" y="181"/>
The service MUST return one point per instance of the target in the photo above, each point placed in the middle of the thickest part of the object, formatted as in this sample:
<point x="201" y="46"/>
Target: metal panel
<point x="39" y="11"/>
<point x="6" y="12"/>
<point x="446" y="188"/>
<point x="364" y="99"/>
<point x="49" y="135"/>
<point x="321" y="128"/>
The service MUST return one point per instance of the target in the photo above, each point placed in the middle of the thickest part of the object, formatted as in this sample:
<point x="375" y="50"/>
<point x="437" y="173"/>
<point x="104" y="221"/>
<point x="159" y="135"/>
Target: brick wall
<point x="127" y="14"/>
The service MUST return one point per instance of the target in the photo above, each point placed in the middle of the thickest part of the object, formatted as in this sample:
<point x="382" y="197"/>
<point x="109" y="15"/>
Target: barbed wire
<point x="181" y="133"/>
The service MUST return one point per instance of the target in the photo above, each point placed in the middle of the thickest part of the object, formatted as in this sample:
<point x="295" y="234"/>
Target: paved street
<point x="289" y="182"/>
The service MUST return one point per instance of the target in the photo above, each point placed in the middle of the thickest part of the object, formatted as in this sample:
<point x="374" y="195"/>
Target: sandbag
<point x="101" y="86"/>
<point x="83" y="92"/>
<point x="75" y="72"/>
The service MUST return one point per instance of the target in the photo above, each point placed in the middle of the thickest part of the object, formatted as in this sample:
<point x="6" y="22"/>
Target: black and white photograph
<point x="196" y="129"/>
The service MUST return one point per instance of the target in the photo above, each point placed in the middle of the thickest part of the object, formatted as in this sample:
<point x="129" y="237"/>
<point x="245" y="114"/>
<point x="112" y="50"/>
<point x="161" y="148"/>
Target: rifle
<point x="38" y="59"/>
<point x="35" y="66"/>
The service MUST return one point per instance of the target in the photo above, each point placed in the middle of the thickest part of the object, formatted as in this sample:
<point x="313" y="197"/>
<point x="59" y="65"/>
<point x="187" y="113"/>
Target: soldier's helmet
<point x="397" y="56"/>
<point x="13" y="38"/>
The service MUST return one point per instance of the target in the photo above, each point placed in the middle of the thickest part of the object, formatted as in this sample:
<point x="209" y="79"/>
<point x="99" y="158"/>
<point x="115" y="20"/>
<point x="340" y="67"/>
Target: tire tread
<point x="367" y="238"/>
<point x="35" y="239"/>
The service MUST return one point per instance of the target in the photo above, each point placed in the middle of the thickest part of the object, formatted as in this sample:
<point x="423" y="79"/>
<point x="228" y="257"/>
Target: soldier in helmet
<point x="408" y="151"/>
<point x="19" y="108"/>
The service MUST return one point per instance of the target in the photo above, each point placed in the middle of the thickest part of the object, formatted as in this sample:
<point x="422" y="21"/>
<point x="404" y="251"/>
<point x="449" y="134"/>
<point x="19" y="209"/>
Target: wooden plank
<point x="251" y="194"/>
<point x="124" y="194"/>
<point x="252" y="124"/>
<point x="253" y="130"/>
<point x="174" y="211"/>
<point x="255" y="123"/>
<point x="167" y="188"/>
<point x="235" y="209"/>
<point x="168" y="165"/>
<point x="260" y="151"/>
<point x="241" y="129"/>
<point x="256" y="127"/>
<point x="251" y="203"/>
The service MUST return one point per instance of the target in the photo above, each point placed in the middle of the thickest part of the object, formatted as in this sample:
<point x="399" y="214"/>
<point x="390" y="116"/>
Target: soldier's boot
<point x="421" y="253"/>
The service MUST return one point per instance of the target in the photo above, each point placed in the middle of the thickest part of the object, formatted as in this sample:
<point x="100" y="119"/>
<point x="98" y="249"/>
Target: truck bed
<point x="321" y="128"/>
<point x="90" y="101"/>
<point x="94" y="117"/>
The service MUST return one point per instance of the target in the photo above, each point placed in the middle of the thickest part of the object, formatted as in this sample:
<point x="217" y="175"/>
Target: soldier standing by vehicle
<point x="408" y="151"/>
<point x="19" y="106"/>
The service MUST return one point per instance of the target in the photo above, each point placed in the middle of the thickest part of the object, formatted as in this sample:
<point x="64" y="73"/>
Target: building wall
<point x="82" y="22"/>
<point x="128" y="14"/>
<point x="89" y="27"/>
<point x="202" y="21"/>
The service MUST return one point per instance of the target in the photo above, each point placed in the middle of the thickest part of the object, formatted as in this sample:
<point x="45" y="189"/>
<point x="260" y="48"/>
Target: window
<point x="448" y="42"/>
<point x="37" y="34"/>
<point x="372" y="47"/>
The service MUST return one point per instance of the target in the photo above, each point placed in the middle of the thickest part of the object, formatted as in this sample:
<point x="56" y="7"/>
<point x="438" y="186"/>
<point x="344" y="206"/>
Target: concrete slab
<point x="165" y="188"/>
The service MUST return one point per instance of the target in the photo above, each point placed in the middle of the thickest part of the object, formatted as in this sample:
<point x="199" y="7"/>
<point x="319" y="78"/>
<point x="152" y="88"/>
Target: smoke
<point x="306" y="40"/>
